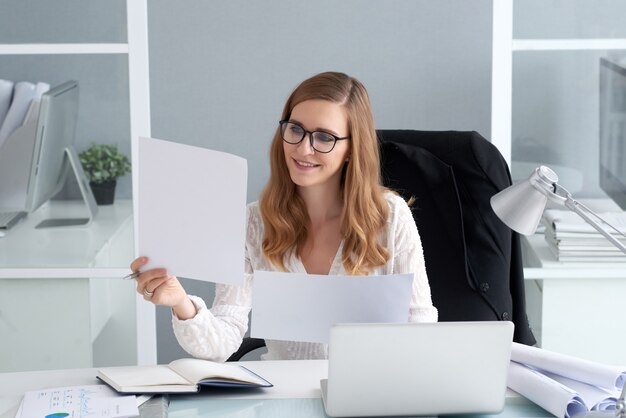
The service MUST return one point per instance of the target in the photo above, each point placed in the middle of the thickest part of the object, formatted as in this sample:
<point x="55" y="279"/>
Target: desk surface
<point x="296" y="392"/>
<point x="27" y="247"/>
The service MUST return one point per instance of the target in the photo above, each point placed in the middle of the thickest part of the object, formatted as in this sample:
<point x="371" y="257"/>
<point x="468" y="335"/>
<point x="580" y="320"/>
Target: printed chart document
<point x="301" y="307"/>
<point x="93" y="401"/>
<point x="182" y="375"/>
<point x="192" y="210"/>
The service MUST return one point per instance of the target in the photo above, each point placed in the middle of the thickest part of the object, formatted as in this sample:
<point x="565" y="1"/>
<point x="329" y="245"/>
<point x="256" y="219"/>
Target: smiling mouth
<point x="305" y="164"/>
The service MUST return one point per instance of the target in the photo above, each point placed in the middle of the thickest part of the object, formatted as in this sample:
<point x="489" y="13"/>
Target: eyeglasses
<point x="293" y="133"/>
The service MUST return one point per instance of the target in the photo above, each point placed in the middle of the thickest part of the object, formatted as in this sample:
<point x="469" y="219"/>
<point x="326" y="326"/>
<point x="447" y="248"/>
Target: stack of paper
<point x="564" y="385"/>
<point x="18" y="102"/>
<point x="570" y="238"/>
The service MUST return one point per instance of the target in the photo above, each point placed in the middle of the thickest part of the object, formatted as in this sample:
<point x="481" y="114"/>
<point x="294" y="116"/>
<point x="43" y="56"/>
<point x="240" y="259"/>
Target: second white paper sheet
<point x="192" y="210"/>
<point x="301" y="307"/>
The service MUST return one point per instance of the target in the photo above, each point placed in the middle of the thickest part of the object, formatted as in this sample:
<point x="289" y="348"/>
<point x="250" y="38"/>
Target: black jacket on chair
<point x="473" y="260"/>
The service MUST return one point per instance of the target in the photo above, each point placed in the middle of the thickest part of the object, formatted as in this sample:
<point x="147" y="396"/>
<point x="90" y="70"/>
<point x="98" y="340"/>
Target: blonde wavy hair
<point x="365" y="209"/>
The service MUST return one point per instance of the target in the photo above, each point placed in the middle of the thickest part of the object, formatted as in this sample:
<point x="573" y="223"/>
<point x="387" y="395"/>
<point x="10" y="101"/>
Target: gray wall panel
<point x="538" y="19"/>
<point x="62" y="21"/>
<point x="220" y="72"/>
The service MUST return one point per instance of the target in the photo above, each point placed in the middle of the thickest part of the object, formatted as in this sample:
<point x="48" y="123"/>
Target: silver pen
<point x="132" y="275"/>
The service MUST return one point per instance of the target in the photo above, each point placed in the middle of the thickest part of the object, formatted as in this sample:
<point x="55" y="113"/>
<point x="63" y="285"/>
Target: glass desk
<point x="296" y="393"/>
<point x="192" y="407"/>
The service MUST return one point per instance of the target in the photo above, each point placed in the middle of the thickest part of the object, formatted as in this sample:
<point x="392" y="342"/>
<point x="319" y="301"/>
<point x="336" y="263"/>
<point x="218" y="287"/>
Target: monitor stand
<point x="85" y="191"/>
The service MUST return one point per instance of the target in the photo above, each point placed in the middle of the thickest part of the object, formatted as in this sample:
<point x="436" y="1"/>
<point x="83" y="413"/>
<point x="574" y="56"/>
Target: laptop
<point x="417" y="368"/>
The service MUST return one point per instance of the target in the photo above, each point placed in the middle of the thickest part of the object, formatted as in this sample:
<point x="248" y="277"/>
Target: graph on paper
<point x="94" y="401"/>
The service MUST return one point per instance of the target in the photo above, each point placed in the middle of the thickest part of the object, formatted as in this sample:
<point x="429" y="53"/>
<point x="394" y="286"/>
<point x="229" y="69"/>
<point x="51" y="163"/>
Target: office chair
<point x="248" y="345"/>
<point x="473" y="260"/>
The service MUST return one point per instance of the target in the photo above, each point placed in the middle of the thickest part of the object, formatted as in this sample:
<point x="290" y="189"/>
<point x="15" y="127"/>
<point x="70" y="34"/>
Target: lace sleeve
<point x="214" y="334"/>
<point x="409" y="258"/>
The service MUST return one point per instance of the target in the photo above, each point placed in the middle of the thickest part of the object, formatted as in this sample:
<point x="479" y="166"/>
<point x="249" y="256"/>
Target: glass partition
<point x="103" y="118"/>
<point x="556" y="85"/>
<point x="62" y="21"/>
<point x="70" y="275"/>
<point x="568" y="19"/>
<point x="556" y="112"/>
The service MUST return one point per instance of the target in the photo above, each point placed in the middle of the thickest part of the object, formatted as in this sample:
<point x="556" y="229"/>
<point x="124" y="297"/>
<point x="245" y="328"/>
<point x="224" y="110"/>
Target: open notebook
<point x="180" y="376"/>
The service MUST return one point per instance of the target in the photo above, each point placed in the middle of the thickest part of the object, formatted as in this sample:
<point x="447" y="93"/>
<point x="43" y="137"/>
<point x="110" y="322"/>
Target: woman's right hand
<point x="158" y="287"/>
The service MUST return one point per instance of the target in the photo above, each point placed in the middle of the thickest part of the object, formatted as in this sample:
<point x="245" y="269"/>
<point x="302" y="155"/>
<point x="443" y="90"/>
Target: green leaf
<point x="103" y="162"/>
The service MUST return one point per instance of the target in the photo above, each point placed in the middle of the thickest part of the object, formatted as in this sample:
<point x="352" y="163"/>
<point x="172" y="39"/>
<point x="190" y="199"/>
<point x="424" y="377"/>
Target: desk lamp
<point x="521" y="205"/>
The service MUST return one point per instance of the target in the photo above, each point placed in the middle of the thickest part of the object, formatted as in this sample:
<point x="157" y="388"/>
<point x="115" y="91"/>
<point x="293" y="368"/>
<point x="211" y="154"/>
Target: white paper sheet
<point x="23" y="94"/>
<point x="300" y="307"/>
<point x="591" y="372"/>
<point x="192" y="210"/>
<point x="6" y="94"/>
<point x="93" y="401"/>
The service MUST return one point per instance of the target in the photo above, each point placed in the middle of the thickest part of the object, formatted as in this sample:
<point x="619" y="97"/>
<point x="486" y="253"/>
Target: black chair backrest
<point x="473" y="260"/>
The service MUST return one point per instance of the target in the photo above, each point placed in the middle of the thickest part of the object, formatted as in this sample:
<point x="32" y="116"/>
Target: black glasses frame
<point x="283" y="123"/>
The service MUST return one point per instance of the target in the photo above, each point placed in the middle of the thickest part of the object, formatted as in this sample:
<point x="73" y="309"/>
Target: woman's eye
<point x="323" y="137"/>
<point x="296" y="129"/>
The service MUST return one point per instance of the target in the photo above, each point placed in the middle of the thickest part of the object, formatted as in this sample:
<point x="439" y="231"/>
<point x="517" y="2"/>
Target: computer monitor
<point x="613" y="129"/>
<point x="47" y="148"/>
<point x="56" y="126"/>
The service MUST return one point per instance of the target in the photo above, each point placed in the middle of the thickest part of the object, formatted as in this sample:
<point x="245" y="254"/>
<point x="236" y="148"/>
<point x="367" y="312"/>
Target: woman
<point x="323" y="211"/>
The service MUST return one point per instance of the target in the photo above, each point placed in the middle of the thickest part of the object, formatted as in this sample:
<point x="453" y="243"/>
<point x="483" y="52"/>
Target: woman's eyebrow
<point x="330" y="131"/>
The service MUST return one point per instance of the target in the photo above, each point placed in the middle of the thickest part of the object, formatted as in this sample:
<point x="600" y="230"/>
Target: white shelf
<point x="34" y="251"/>
<point x="62" y="273"/>
<point x="567" y="44"/>
<point x="52" y="49"/>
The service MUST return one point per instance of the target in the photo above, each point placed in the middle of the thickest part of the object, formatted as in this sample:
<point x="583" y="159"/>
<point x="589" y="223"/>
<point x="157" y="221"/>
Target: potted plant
<point x="103" y="165"/>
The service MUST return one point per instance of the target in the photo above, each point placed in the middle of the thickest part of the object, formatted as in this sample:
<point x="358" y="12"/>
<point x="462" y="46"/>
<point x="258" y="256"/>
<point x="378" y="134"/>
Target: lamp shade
<point x="521" y="205"/>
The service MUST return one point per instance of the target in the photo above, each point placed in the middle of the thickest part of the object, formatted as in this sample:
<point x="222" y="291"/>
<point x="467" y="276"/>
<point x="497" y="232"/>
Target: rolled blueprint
<point x="591" y="372"/>
<point x="549" y="394"/>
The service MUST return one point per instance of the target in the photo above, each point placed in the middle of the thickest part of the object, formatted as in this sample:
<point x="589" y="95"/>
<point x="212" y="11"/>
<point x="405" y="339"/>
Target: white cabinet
<point x="575" y="308"/>
<point x="60" y="305"/>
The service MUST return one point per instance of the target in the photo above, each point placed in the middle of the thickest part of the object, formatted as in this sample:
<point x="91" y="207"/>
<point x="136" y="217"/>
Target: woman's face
<point x="310" y="168"/>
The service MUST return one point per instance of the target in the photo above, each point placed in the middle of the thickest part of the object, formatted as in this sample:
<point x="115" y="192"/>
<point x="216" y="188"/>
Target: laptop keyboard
<point x="8" y="219"/>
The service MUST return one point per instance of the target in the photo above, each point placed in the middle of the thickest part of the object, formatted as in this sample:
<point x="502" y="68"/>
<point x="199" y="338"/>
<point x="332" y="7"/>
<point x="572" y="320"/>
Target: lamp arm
<point x="620" y="409"/>
<point x="583" y="211"/>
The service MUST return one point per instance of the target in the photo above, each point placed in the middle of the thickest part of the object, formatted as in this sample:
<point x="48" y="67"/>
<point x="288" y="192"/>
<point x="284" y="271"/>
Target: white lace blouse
<point x="216" y="333"/>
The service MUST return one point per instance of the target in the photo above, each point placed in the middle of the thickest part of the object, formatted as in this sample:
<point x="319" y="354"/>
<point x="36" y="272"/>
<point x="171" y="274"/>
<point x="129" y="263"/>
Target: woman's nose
<point x="306" y="146"/>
